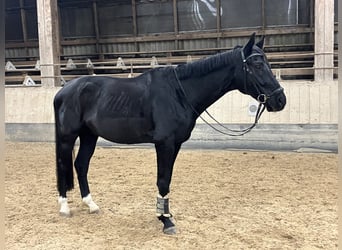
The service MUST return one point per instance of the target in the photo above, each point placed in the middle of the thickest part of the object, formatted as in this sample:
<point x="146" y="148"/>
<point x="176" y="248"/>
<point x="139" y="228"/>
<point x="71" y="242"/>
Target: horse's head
<point x="258" y="81"/>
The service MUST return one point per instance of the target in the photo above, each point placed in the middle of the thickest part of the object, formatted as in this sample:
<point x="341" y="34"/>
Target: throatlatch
<point x="163" y="206"/>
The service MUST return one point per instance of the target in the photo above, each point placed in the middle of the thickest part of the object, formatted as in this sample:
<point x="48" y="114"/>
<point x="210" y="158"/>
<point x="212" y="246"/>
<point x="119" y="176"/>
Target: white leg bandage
<point x="163" y="206"/>
<point x="93" y="208"/>
<point x="64" y="207"/>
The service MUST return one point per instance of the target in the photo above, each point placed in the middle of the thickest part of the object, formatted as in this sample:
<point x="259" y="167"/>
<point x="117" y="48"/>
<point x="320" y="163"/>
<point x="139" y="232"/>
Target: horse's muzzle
<point x="276" y="102"/>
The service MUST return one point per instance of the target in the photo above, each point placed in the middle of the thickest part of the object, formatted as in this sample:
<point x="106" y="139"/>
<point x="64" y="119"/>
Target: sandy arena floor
<point x="220" y="200"/>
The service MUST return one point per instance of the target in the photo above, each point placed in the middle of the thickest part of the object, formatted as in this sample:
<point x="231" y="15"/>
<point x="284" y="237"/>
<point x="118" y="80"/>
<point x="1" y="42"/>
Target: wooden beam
<point x="135" y="26"/>
<point x="175" y="22"/>
<point x="23" y="20"/>
<point x="14" y="45"/>
<point x="170" y="37"/>
<point x="202" y="35"/>
<point x="263" y="15"/>
<point x="23" y="23"/>
<point x="48" y="32"/>
<point x="97" y="31"/>
<point x="175" y="17"/>
<point x="218" y="21"/>
<point x="324" y="40"/>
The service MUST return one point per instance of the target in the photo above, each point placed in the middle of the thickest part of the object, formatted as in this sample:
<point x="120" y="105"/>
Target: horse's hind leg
<point x="86" y="150"/>
<point x="64" y="148"/>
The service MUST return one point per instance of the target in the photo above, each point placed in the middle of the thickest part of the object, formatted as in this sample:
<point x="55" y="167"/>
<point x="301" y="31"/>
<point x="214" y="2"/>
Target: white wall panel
<point x="307" y="103"/>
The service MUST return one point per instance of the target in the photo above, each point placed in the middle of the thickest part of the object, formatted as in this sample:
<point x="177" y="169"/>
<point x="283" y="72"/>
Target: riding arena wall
<point x="309" y="120"/>
<point x="123" y="39"/>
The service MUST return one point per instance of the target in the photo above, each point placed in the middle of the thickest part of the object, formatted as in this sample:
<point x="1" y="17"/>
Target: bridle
<point x="261" y="98"/>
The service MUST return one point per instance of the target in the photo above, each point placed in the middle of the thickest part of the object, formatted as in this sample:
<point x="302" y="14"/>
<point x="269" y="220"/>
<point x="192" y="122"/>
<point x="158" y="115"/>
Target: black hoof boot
<point x="169" y="226"/>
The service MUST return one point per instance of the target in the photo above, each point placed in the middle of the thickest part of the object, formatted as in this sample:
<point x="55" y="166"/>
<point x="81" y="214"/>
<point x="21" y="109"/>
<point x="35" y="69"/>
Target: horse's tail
<point x="64" y="153"/>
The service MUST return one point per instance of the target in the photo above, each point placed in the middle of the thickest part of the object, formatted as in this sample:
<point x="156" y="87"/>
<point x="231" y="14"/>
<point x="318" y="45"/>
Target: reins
<point x="262" y="98"/>
<point x="261" y="109"/>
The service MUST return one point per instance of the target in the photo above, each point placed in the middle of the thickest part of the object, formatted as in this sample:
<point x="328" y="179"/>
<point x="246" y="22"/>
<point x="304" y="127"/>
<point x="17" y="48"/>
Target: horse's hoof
<point x="94" y="211"/>
<point x="65" y="214"/>
<point x="93" y="208"/>
<point x="65" y="211"/>
<point x="170" y="230"/>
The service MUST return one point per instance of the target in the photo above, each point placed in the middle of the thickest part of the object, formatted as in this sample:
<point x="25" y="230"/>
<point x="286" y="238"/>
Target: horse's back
<point x="106" y="105"/>
<point x="90" y="89"/>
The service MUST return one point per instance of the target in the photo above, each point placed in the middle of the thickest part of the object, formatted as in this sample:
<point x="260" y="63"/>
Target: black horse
<point x="160" y="107"/>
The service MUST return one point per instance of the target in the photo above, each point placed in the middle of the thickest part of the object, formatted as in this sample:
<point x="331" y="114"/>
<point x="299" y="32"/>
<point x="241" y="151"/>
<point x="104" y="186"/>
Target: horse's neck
<point x="205" y="90"/>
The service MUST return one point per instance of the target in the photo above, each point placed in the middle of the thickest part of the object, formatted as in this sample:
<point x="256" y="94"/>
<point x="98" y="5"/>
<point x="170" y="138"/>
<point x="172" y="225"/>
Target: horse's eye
<point x="258" y="66"/>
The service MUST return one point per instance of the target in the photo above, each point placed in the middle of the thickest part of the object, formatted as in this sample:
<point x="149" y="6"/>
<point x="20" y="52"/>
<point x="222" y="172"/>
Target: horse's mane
<point x="206" y="65"/>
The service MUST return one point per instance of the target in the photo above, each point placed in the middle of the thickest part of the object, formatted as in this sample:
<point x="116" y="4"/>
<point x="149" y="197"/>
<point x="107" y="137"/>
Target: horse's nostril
<point x="281" y="100"/>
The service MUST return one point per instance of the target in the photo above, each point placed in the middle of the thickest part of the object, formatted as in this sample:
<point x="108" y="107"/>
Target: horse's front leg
<point x="166" y="156"/>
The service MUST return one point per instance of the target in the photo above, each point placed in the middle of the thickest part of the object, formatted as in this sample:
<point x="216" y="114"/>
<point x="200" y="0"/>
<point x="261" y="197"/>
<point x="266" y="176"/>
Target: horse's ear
<point x="260" y="44"/>
<point x="247" y="49"/>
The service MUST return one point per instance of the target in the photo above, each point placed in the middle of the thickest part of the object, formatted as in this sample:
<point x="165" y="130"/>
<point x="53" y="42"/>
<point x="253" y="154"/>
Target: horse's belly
<point x="125" y="130"/>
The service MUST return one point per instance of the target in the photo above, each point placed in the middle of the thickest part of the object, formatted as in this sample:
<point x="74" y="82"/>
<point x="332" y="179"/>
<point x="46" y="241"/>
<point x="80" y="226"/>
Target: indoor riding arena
<point x="274" y="187"/>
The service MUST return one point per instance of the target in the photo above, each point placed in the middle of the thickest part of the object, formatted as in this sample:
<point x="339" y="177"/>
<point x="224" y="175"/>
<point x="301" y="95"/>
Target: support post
<point x="175" y="23"/>
<point x="218" y="23"/>
<point x="135" y="27"/>
<point x="23" y="24"/>
<point x="48" y="32"/>
<point x="324" y="40"/>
